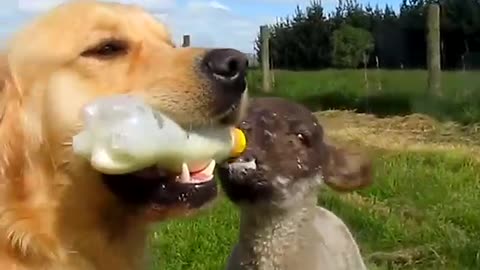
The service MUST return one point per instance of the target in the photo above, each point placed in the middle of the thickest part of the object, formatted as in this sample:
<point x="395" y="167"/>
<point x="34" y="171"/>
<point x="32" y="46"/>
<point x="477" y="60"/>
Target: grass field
<point x="421" y="212"/>
<point x="380" y="92"/>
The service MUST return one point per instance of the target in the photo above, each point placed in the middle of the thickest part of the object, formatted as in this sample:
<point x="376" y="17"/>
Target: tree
<point x="304" y="40"/>
<point x="350" y="44"/>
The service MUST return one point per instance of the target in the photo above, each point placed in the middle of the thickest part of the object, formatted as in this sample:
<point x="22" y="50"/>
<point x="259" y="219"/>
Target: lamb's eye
<point x="246" y="126"/>
<point x="304" y="139"/>
<point x="107" y="49"/>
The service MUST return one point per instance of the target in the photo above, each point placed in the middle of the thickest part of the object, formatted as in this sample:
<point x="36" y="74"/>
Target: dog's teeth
<point x="185" y="176"/>
<point x="210" y="168"/>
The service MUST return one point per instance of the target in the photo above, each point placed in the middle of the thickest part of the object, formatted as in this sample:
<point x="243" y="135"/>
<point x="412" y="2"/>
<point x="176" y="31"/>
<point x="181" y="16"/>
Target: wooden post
<point x="433" y="50"/>
<point x="267" y="81"/>
<point x="186" y="41"/>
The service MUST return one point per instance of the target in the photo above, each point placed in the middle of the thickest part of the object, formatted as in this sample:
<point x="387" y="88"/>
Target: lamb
<point x="274" y="184"/>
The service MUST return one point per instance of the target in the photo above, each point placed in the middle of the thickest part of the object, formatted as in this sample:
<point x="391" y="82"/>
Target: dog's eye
<point x="107" y="49"/>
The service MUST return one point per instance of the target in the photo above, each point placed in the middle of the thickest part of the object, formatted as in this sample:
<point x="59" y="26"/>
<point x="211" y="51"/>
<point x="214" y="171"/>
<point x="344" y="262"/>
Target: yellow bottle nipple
<point x="239" y="143"/>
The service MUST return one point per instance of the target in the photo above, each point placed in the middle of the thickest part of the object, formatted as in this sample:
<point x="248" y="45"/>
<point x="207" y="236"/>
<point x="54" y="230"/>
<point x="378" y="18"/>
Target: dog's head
<point x="83" y="50"/>
<point x="287" y="157"/>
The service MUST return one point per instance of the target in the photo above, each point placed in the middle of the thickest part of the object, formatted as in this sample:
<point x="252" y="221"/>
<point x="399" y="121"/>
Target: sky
<point x="210" y="23"/>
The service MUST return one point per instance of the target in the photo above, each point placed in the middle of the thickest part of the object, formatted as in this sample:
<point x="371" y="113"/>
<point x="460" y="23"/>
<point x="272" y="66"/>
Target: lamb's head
<point x="287" y="157"/>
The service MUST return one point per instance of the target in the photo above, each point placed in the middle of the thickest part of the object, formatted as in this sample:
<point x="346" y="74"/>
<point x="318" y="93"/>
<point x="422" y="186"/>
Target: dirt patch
<point x="414" y="132"/>
<point x="407" y="257"/>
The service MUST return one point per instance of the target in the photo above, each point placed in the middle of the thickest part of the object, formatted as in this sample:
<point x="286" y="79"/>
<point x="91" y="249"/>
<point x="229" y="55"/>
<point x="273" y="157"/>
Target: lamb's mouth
<point x="156" y="188"/>
<point x="238" y="172"/>
<point x="244" y="181"/>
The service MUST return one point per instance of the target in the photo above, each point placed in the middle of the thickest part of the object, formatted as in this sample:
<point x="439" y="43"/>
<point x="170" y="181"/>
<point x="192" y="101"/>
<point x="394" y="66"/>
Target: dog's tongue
<point x="204" y="174"/>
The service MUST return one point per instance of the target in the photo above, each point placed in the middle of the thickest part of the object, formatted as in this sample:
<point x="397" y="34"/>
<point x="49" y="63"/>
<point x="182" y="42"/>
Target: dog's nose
<point x="227" y="66"/>
<point x="225" y="73"/>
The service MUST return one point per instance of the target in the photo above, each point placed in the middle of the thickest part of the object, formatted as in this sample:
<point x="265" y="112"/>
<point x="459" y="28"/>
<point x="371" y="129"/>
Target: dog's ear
<point x="8" y="87"/>
<point x="23" y="219"/>
<point x="3" y="82"/>
<point x="11" y="135"/>
<point x="348" y="170"/>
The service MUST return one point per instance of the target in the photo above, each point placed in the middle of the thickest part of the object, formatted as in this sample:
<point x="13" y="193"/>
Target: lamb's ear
<point x="348" y="170"/>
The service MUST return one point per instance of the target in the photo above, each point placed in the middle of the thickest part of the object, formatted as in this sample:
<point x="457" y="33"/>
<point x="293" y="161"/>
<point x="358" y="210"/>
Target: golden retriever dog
<point x="56" y="211"/>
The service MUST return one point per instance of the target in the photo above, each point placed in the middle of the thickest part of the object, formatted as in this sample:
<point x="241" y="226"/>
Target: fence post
<point x="265" y="36"/>
<point x="433" y="50"/>
<point x="186" y="41"/>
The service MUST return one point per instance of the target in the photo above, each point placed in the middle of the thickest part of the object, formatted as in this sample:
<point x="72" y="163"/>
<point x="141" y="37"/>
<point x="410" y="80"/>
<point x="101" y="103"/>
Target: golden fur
<point x="54" y="211"/>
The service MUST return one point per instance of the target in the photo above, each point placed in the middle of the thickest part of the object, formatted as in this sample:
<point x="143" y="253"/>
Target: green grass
<point x="200" y="242"/>
<point x="383" y="92"/>
<point x="421" y="213"/>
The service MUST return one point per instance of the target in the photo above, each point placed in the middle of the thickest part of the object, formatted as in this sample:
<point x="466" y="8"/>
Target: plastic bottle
<point x="122" y="134"/>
